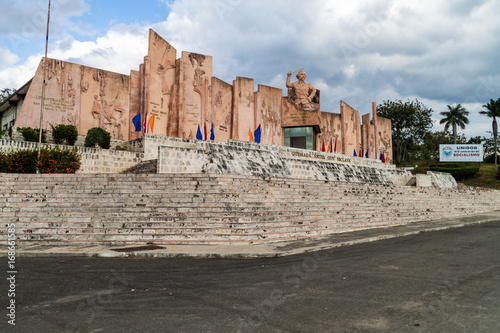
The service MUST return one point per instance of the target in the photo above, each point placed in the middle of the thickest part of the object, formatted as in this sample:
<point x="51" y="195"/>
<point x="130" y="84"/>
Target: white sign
<point x="461" y="153"/>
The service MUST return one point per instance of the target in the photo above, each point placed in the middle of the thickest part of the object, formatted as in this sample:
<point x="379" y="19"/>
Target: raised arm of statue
<point x="288" y="85"/>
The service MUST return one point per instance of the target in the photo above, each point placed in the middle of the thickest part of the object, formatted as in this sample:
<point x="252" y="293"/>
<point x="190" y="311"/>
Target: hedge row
<point x="459" y="171"/>
<point x="52" y="160"/>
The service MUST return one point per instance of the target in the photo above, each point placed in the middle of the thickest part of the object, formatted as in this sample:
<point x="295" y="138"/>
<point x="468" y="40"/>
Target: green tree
<point x="493" y="111"/>
<point x="429" y="149"/>
<point x="411" y="122"/>
<point x="455" y="116"/>
<point x="5" y="93"/>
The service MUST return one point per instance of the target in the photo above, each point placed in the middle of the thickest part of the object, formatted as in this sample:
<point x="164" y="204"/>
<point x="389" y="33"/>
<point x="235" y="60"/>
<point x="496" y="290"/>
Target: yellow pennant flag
<point x="250" y="135"/>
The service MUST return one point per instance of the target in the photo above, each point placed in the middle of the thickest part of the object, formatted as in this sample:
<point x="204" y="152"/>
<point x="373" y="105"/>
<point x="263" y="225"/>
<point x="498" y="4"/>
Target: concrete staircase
<point x="213" y="208"/>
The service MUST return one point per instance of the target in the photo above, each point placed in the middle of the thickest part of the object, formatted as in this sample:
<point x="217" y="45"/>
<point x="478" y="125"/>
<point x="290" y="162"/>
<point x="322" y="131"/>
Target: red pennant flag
<point x="383" y="157"/>
<point x="323" y="149"/>
<point x="335" y="144"/>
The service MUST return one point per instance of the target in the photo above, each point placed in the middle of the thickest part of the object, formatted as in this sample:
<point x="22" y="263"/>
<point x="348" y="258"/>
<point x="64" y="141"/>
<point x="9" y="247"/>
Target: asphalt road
<point x="444" y="281"/>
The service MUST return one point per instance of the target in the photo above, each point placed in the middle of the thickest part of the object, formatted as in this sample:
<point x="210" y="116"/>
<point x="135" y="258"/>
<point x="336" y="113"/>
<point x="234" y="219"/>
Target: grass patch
<point x="486" y="177"/>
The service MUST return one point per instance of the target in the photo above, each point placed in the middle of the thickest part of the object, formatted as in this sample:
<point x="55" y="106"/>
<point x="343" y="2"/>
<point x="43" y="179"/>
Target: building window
<point x="300" y="137"/>
<point x="5" y="127"/>
<point x="11" y="124"/>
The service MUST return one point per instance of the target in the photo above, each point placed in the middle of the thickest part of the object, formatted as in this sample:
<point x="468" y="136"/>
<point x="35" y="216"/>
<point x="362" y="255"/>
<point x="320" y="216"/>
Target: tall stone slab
<point x="351" y="129"/>
<point x="135" y="103"/>
<point x="268" y="115"/>
<point x="221" y="113"/>
<point x="195" y="78"/>
<point x="243" y="108"/>
<point x="160" y="74"/>
<point x="331" y="132"/>
<point x="383" y="134"/>
<point x="368" y="136"/>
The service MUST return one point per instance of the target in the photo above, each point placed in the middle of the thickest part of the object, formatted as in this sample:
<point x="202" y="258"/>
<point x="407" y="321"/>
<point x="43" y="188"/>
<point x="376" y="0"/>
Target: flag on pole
<point x="250" y="135"/>
<point x="387" y="158"/>
<point x="366" y="155"/>
<point x="267" y="135"/>
<point x="151" y="123"/>
<point x="205" y="137"/>
<point x="145" y="125"/>
<point x="137" y="122"/>
<point x="212" y="133"/>
<point x="335" y="145"/>
<point x="198" y="134"/>
<point x="355" y="155"/>
<point x="257" y="134"/>
<point x="329" y="146"/>
<point x="323" y="149"/>
<point x="383" y="158"/>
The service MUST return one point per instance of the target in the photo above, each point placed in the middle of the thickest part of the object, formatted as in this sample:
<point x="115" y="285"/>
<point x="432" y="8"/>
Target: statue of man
<point x="301" y="92"/>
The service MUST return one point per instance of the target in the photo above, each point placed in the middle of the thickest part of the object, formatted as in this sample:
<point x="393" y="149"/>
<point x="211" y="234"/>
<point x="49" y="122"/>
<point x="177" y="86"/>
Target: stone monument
<point x="302" y="93"/>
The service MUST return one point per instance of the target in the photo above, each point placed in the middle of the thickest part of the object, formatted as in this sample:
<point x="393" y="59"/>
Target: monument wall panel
<point x="105" y="102"/>
<point x="195" y="79"/>
<point x="62" y="97"/>
<point x="331" y="132"/>
<point x="268" y="116"/>
<point x="351" y="129"/>
<point x="161" y="88"/>
<point x="243" y="108"/>
<point x="222" y="105"/>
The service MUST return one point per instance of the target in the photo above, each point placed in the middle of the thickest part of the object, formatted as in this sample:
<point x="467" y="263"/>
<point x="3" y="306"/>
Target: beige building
<point x="179" y="97"/>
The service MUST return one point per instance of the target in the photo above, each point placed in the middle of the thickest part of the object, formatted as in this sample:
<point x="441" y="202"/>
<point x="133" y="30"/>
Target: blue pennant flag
<point x="366" y="155"/>
<point x="356" y="155"/>
<point x="212" y="133"/>
<point x="257" y="134"/>
<point x="137" y="122"/>
<point x="198" y="134"/>
<point x="380" y="157"/>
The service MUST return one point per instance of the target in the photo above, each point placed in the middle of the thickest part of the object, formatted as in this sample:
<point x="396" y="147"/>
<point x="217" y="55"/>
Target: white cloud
<point x="7" y="58"/>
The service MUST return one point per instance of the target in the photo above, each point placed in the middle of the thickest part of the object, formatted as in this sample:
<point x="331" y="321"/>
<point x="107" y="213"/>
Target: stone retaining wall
<point x="214" y="208"/>
<point x="93" y="160"/>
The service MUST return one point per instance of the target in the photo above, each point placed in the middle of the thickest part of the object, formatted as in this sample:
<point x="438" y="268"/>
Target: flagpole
<point x="43" y="89"/>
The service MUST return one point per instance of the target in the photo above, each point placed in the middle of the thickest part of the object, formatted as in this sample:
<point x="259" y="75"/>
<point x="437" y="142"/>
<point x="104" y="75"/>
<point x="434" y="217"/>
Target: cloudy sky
<point x="442" y="52"/>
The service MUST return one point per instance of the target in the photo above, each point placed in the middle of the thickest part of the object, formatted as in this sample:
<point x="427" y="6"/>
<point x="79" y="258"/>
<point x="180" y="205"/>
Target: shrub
<point x="56" y="160"/>
<point x="4" y="134"/>
<point x="65" y="133"/>
<point x="31" y="134"/>
<point x="52" y="160"/>
<point x="459" y="171"/>
<point x="97" y="136"/>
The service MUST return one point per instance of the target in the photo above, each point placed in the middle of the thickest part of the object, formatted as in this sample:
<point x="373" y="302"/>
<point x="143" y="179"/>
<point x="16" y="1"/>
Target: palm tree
<point x="456" y="116"/>
<point x="493" y="111"/>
